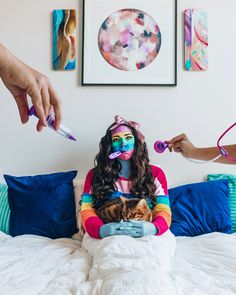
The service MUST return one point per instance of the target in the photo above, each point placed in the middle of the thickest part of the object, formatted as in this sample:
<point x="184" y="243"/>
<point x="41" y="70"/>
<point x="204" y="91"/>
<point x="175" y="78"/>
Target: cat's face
<point x="136" y="209"/>
<point x="110" y="211"/>
<point x="126" y="209"/>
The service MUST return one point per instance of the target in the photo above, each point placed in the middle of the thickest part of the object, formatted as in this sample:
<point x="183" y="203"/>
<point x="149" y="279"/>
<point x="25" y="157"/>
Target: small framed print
<point x="64" y="36"/>
<point x="196" y="39"/>
<point x="128" y="42"/>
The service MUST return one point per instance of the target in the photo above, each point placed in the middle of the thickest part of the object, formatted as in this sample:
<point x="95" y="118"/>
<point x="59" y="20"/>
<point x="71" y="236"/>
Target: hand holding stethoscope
<point x="183" y="145"/>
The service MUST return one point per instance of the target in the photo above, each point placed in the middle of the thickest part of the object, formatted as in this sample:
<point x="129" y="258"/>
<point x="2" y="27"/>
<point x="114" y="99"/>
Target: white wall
<point x="202" y="104"/>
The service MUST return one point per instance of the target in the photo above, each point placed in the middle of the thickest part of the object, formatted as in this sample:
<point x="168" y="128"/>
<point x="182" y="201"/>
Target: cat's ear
<point x="142" y="203"/>
<point x="123" y="199"/>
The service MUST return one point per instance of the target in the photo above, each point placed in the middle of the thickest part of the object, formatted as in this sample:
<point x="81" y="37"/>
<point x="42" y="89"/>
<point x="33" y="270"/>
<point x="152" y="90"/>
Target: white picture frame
<point x="162" y="71"/>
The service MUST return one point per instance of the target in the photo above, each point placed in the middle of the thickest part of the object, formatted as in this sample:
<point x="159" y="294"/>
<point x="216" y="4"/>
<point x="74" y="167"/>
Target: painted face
<point x="123" y="140"/>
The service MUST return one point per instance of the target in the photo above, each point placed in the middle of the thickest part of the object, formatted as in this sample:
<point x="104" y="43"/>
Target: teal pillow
<point x="232" y="194"/>
<point x="4" y="209"/>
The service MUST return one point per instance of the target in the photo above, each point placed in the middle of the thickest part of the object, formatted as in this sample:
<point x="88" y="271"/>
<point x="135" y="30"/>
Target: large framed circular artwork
<point x="128" y="42"/>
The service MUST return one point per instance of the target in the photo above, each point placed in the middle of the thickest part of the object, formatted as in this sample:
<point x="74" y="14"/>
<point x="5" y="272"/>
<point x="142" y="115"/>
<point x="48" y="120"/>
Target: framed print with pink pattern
<point x="196" y="40"/>
<point x="128" y="42"/>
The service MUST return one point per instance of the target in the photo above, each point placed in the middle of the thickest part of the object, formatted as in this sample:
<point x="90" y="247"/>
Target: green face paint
<point x="122" y="141"/>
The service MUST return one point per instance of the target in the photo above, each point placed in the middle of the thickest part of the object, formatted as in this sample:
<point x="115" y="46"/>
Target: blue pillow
<point x="200" y="208"/>
<point x="42" y="205"/>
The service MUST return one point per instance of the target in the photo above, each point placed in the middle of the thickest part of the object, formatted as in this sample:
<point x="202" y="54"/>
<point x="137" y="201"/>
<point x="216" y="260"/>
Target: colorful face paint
<point x="123" y="141"/>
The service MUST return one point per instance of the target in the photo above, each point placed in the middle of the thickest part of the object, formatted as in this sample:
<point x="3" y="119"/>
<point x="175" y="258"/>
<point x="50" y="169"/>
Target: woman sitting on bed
<point x="122" y="169"/>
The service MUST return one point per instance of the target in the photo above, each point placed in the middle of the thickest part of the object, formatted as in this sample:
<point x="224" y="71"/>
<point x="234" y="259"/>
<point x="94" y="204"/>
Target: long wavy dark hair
<point x="106" y="171"/>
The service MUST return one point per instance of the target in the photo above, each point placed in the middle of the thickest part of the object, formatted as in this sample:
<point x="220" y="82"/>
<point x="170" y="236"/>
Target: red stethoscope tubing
<point x="223" y="151"/>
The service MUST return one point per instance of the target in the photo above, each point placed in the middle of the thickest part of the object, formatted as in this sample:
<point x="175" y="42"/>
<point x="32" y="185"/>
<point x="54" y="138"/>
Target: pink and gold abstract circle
<point x="129" y="39"/>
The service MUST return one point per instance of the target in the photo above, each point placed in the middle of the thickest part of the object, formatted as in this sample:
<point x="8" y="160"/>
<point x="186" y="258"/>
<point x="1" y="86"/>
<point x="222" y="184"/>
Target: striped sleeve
<point x="90" y="221"/>
<point x="161" y="211"/>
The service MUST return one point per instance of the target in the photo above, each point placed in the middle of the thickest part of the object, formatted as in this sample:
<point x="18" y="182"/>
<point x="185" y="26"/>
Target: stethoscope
<point x="161" y="146"/>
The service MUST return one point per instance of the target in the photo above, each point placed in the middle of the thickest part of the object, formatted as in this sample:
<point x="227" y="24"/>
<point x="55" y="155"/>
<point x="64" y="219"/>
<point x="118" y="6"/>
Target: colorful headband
<point x="121" y="121"/>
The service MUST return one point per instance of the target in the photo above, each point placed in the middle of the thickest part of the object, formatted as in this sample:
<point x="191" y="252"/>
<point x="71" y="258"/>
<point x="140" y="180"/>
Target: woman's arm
<point x="90" y="221"/>
<point x="181" y="144"/>
<point x="161" y="211"/>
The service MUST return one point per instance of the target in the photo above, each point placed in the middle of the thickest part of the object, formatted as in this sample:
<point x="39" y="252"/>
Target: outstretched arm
<point x="181" y="144"/>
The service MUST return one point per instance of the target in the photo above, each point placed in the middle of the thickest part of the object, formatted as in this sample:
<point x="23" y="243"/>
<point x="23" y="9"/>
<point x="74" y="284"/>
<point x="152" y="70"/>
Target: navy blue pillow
<point x="42" y="205"/>
<point x="200" y="208"/>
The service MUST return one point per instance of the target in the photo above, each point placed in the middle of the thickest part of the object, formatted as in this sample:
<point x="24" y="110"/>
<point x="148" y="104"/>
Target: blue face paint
<point x="122" y="143"/>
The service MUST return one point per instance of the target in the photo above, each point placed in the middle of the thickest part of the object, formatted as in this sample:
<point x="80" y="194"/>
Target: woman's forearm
<point x="181" y="144"/>
<point x="209" y="153"/>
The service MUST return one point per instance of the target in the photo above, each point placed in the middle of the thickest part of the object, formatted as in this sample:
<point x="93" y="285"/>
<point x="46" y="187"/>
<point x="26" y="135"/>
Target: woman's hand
<point x="135" y="229"/>
<point x="142" y="228"/>
<point x="181" y="144"/>
<point x="116" y="228"/>
<point x="21" y="80"/>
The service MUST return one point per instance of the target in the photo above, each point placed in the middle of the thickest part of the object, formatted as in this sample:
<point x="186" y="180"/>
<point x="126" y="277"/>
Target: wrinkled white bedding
<point x="118" y="265"/>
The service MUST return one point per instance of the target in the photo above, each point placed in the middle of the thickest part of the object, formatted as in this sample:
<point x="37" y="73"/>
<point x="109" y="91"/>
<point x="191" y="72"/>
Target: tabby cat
<point x="124" y="209"/>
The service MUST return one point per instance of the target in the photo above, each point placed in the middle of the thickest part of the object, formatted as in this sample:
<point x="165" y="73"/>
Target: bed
<point x="118" y="265"/>
<point x="197" y="256"/>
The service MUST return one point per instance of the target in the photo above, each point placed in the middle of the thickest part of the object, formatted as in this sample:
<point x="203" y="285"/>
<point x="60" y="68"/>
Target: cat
<point x="124" y="209"/>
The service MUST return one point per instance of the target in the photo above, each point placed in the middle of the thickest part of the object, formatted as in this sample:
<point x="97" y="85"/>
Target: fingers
<point x="22" y="104"/>
<point x="123" y="228"/>
<point x="118" y="225"/>
<point x="38" y="105"/>
<point x="122" y="232"/>
<point x="46" y="109"/>
<point x="56" y="103"/>
<point x="135" y="228"/>
<point x="177" y="138"/>
<point x="137" y="224"/>
<point x="44" y="97"/>
<point x="43" y="101"/>
<point x="39" y="126"/>
<point x="176" y="143"/>
<point x="135" y="233"/>
<point x="46" y="101"/>
<point x="177" y="147"/>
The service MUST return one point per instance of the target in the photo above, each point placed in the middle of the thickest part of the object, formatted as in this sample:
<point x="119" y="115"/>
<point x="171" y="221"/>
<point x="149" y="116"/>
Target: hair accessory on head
<point x="121" y="121"/>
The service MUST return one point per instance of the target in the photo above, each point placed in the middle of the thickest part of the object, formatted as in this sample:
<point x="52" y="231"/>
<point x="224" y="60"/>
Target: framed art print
<point x="64" y="36"/>
<point x="127" y="42"/>
<point x="196" y="39"/>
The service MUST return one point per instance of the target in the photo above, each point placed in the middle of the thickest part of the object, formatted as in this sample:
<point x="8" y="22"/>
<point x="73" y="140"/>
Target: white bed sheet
<point x="118" y="265"/>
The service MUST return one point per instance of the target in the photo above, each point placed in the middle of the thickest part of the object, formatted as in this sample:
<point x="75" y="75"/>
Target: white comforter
<point x="118" y="265"/>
